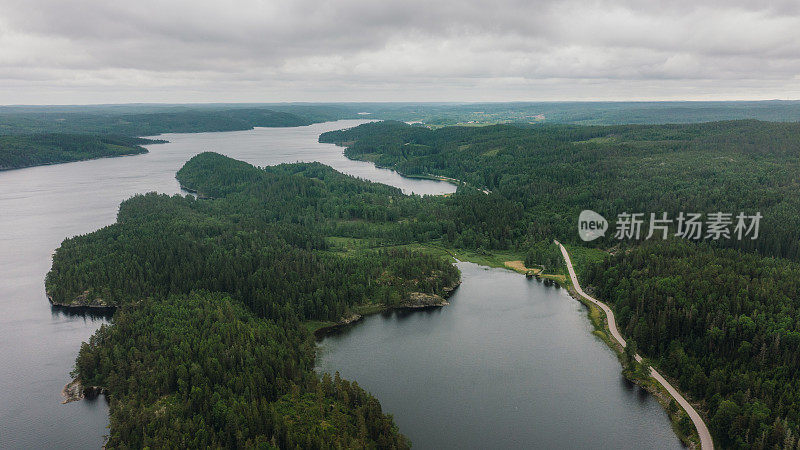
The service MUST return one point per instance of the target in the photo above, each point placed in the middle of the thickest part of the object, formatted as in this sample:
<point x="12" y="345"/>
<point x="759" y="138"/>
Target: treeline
<point x="208" y="347"/>
<point x="20" y="151"/>
<point x="133" y="122"/>
<point x="591" y="113"/>
<point x="724" y="323"/>
<point x="193" y="121"/>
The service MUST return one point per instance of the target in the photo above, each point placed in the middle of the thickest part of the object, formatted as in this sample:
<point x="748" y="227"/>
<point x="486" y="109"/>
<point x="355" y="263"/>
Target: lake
<point x="510" y="363"/>
<point x="521" y="367"/>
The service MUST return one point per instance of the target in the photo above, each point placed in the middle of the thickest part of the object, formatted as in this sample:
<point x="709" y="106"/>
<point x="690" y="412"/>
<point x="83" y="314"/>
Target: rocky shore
<point x="345" y="321"/>
<point x="421" y="300"/>
<point x="82" y="301"/>
<point x="415" y="300"/>
<point x="75" y="391"/>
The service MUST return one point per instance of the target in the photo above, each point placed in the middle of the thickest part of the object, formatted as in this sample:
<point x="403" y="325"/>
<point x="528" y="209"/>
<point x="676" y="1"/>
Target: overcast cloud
<point x="79" y="51"/>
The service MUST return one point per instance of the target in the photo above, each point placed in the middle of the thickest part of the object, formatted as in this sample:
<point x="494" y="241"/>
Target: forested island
<point x="721" y="318"/>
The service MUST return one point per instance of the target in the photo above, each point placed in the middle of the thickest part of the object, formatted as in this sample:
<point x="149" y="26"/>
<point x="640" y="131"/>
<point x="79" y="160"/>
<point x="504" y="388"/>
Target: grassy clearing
<point x="583" y="257"/>
<point x="505" y="259"/>
<point x="495" y="258"/>
<point x="519" y="266"/>
<point x="346" y="246"/>
<point x="557" y="277"/>
<point x="314" y="325"/>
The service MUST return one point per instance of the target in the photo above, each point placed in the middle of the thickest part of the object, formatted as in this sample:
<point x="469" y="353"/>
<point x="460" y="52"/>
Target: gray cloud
<point x="79" y="51"/>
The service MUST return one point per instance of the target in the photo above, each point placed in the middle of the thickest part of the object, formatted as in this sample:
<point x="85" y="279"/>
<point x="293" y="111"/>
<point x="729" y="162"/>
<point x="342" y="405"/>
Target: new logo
<point x="591" y="225"/>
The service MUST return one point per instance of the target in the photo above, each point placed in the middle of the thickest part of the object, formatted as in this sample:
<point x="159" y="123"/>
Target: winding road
<point x="706" y="443"/>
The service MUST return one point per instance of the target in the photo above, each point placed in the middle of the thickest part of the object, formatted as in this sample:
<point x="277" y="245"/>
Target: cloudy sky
<point x="101" y="51"/>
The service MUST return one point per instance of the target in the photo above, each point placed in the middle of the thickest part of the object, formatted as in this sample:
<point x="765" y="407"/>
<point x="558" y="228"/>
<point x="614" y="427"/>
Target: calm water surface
<point x="575" y="385"/>
<point x="509" y="363"/>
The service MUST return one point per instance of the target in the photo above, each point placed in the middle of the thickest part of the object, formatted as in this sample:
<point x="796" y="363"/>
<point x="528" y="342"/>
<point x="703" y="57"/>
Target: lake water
<point x="510" y="363"/>
<point x="433" y="367"/>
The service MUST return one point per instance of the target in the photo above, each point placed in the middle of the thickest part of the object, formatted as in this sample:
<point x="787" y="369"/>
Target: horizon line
<point x="378" y="102"/>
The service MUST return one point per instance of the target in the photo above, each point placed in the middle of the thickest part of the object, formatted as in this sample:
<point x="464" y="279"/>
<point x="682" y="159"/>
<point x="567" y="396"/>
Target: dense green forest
<point x="221" y="289"/>
<point x="199" y="371"/>
<point x="263" y="240"/>
<point x="33" y="150"/>
<point x="724" y="323"/>
<point x="551" y="173"/>
<point x="721" y="317"/>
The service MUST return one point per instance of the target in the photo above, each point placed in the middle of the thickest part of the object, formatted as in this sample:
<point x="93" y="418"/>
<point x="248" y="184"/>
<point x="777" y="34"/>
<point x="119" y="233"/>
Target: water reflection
<point x="90" y="315"/>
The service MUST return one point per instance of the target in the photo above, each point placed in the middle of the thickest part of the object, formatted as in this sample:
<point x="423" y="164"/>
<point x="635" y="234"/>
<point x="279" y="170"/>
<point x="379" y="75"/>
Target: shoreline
<point x="560" y="281"/>
<point x="55" y="163"/>
<point x="81" y="307"/>
<point x="74" y="391"/>
<point x="440" y="178"/>
<point x="345" y="322"/>
<point x="606" y="329"/>
<point x="320" y="333"/>
<point x="199" y="195"/>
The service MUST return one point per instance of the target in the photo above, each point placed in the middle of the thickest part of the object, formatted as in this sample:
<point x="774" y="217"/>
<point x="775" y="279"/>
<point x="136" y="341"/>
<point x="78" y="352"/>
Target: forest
<point x="18" y="151"/>
<point x="724" y="323"/>
<point x="222" y="288"/>
<point x="720" y="317"/>
<point x="301" y="242"/>
<point x="199" y="370"/>
<point x="548" y="174"/>
<point x="263" y="240"/>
